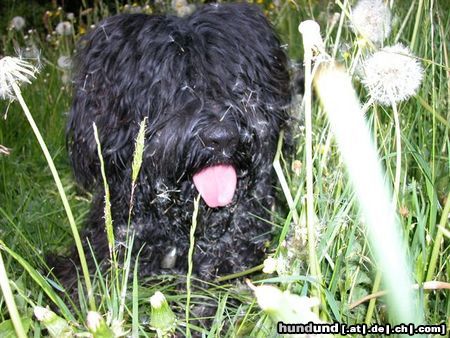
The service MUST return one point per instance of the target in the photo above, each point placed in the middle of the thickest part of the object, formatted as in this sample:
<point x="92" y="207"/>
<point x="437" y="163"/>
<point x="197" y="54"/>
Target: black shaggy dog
<point x="215" y="89"/>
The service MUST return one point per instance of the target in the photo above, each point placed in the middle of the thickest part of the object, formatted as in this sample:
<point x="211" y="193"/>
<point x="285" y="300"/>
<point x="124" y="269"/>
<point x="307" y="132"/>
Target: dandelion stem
<point x="310" y="217"/>
<point x="9" y="300"/>
<point x="61" y="191"/>
<point x="398" y="152"/>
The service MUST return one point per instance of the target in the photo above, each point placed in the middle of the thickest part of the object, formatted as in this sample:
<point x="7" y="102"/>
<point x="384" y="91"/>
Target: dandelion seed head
<point x="392" y="75"/>
<point x="31" y="53"/>
<point x="136" y="9"/>
<point x="182" y="8"/>
<point x="64" y="28"/>
<point x="14" y="71"/>
<point x="17" y="23"/>
<point x="64" y="62"/>
<point x="371" y="19"/>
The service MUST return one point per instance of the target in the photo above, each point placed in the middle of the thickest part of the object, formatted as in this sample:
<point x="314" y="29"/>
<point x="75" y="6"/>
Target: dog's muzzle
<point x="217" y="183"/>
<point x="221" y="138"/>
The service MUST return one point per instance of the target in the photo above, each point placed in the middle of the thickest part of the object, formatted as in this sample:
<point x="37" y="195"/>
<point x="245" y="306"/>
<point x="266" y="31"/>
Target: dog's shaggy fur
<point x="215" y="89"/>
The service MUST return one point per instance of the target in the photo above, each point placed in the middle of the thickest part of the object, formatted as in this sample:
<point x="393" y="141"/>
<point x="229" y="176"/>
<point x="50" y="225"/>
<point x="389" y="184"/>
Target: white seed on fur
<point x="170" y="259"/>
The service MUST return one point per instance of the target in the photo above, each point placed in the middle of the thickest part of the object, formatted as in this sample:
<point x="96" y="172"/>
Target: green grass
<point x="33" y="222"/>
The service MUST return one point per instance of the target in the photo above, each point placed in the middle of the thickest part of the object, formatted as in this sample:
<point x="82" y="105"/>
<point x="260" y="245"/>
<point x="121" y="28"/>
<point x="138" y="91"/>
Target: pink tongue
<point x="216" y="184"/>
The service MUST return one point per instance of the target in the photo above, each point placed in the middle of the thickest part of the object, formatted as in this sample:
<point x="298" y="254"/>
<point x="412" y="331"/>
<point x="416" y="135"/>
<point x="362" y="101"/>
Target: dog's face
<point x="212" y="143"/>
<point x="214" y="87"/>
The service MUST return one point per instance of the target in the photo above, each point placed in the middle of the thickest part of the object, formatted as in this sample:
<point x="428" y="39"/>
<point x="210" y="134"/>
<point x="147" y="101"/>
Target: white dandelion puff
<point x="136" y="9"/>
<point x="372" y="20"/>
<point x="31" y="54"/>
<point x="64" y="28"/>
<point x="392" y="75"/>
<point x="17" y="23"/>
<point x="64" y="62"/>
<point x="13" y="72"/>
<point x="182" y="8"/>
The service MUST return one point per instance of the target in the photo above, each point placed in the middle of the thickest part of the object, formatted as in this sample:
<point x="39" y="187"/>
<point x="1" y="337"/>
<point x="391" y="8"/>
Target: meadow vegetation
<point x="322" y="263"/>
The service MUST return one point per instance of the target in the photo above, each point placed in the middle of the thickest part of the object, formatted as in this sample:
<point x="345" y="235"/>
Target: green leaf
<point x="7" y="327"/>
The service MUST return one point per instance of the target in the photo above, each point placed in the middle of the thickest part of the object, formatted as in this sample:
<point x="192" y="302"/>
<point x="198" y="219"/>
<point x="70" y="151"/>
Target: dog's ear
<point x="106" y="66"/>
<point x="253" y="52"/>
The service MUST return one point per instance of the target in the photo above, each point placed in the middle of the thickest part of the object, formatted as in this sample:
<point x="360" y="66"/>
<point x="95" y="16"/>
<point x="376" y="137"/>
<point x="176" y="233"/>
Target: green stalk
<point x="190" y="262"/>
<point x="417" y="24"/>
<point x="339" y="30"/>
<point x="371" y="307"/>
<point x="283" y="182"/>
<point x="9" y="300"/>
<point x="438" y="240"/>
<point x="61" y="191"/>
<point x="398" y="153"/>
<point x="240" y="273"/>
<point x="107" y="209"/>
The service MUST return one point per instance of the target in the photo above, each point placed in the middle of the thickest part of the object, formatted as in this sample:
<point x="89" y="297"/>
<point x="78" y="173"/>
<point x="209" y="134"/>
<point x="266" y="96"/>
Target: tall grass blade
<point x="360" y="156"/>
<point x="9" y="300"/>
